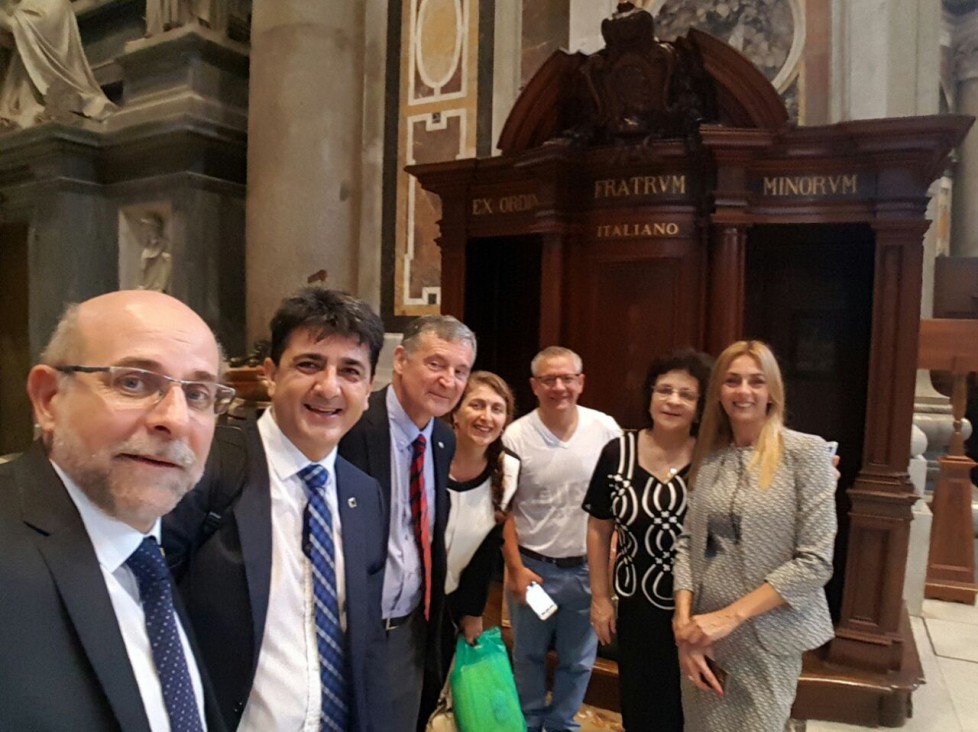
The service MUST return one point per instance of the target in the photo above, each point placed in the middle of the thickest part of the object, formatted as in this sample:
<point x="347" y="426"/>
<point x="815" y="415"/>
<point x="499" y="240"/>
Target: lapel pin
<point x="352" y="502"/>
<point x="441" y="444"/>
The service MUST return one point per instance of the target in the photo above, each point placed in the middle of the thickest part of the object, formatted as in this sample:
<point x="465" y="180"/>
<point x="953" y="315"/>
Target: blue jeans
<point x="573" y="638"/>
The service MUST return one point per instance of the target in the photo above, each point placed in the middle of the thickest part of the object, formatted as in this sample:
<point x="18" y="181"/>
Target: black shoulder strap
<point x="229" y="460"/>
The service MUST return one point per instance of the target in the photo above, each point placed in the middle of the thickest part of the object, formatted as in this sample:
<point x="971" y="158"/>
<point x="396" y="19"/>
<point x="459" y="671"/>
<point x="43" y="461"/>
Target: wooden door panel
<point x="630" y="302"/>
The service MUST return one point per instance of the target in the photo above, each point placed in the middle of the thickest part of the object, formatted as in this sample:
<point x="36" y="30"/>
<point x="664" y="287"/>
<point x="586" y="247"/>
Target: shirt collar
<point x="403" y="430"/>
<point x="113" y="540"/>
<point x="284" y="458"/>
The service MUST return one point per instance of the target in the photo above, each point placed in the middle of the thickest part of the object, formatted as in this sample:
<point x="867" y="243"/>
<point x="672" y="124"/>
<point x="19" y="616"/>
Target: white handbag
<point x="443" y="718"/>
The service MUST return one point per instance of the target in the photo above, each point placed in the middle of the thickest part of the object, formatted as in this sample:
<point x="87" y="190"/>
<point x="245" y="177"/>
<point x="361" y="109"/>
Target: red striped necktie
<point x="419" y="516"/>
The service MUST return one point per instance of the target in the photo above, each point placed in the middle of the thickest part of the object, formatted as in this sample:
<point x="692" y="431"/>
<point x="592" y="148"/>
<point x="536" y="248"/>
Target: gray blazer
<point x="787" y="534"/>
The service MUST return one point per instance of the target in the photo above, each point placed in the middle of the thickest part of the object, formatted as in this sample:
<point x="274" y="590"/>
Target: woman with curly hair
<point x="638" y="491"/>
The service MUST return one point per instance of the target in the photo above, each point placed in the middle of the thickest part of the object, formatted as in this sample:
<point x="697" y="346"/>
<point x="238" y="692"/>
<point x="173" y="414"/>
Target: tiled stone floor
<point x="947" y="641"/>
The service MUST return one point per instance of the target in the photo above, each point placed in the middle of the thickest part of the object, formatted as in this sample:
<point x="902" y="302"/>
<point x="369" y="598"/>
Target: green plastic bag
<point x="483" y="690"/>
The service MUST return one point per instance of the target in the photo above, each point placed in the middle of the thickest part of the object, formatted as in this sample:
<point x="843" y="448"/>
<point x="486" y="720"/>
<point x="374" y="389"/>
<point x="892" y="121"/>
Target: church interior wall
<point x="450" y="70"/>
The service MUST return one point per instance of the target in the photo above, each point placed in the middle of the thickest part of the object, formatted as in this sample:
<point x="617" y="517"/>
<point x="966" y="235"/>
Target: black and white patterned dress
<point x="648" y="515"/>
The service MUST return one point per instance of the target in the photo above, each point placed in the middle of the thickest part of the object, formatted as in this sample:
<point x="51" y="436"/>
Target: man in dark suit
<point x="282" y="575"/>
<point x="90" y="638"/>
<point x="401" y="443"/>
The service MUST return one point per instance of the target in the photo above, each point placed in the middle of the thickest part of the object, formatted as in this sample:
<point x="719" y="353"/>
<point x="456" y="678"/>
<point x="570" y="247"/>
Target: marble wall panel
<point x="546" y="26"/>
<point x="439" y="88"/>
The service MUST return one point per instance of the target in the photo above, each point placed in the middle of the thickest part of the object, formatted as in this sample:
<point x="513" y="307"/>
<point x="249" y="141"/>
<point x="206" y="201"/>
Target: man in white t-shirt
<point x="545" y="538"/>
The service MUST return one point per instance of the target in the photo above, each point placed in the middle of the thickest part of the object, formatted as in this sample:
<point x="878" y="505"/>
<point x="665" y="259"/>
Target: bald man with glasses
<point x="90" y="634"/>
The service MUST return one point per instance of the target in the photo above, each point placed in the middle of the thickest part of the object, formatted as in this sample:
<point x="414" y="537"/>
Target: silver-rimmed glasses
<point x="551" y="381"/>
<point x="141" y="388"/>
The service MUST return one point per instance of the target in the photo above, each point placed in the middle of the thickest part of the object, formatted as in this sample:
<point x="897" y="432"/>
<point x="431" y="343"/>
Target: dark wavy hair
<point x="325" y="313"/>
<point x="695" y="363"/>
<point x="495" y="451"/>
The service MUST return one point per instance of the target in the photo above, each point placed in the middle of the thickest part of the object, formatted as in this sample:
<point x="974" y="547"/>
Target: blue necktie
<point x="148" y="566"/>
<point x="329" y="634"/>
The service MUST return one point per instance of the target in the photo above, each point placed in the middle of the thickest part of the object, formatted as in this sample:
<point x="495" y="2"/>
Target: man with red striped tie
<point x="400" y="442"/>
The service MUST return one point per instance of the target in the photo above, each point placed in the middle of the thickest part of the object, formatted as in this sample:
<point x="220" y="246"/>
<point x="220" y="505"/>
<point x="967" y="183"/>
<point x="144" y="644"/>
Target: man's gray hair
<point x="556" y="352"/>
<point x="65" y="345"/>
<point x="444" y="327"/>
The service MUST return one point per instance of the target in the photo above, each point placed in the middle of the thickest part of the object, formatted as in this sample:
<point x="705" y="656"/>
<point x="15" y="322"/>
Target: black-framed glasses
<point x="141" y="388"/>
<point x="565" y="379"/>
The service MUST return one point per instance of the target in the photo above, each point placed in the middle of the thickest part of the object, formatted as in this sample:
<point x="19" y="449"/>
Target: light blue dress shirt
<point x="404" y="574"/>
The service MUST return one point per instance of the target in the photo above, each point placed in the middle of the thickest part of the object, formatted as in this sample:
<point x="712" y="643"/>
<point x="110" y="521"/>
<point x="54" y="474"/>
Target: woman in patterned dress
<point x="755" y="552"/>
<point x="638" y="490"/>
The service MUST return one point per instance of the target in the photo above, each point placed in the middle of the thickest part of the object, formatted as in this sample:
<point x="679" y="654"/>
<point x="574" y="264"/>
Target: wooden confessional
<point x="654" y="195"/>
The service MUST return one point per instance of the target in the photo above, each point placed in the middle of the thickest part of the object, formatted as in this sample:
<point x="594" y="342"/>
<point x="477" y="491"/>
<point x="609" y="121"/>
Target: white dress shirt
<point x="114" y="542"/>
<point x="286" y="692"/>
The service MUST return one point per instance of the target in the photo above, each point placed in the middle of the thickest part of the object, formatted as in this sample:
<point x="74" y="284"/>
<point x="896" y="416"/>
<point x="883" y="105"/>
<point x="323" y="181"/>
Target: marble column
<point x="506" y="55"/>
<point x="885" y="58"/>
<point x="964" y="226"/>
<point x="305" y="137"/>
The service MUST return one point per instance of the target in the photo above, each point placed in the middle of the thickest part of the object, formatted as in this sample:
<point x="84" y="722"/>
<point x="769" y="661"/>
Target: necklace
<point x="659" y="461"/>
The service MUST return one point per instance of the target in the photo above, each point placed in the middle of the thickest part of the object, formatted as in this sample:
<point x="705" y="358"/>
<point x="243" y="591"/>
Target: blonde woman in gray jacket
<point x="755" y="552"/>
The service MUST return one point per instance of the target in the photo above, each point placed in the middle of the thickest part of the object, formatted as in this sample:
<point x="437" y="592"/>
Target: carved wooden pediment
<point x="638" y="87"/>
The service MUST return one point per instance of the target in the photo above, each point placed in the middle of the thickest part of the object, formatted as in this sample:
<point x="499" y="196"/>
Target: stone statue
<point x="47" y="75"/>
<point x="155" y="262"/>
<point x="162" y="15"/>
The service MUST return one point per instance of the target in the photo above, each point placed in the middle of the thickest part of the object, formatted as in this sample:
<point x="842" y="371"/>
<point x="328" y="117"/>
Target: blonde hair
<point x="715" y="430"/>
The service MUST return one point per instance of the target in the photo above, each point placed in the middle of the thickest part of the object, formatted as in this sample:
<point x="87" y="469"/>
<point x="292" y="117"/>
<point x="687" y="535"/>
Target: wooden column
<point x="452" y="242"/>
<point x="952" y="345"/>
<point x="551" y="290"/>
<point x="728" y="251"/>
<point x="733" y="153"/>
<point x="559" y="190"/>
<point x="870" y="631"/>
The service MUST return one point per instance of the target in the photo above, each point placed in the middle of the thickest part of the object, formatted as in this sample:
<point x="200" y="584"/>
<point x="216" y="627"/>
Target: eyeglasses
<point x="141" y="388"/>
<point x="664" y="392"/>
<point x="565" y="379"/>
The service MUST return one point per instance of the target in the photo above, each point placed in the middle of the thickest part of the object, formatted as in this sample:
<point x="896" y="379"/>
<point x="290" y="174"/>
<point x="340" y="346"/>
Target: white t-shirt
<point x="554" y="477"/>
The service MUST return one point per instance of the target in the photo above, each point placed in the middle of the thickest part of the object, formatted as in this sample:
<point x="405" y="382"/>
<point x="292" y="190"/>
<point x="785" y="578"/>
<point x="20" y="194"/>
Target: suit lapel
<point x="354" y="531"/>
<point x="253" y="514"/>
<point x="444" y="442"/>
<point x="379" y="442"/>
<point x="212" y="713"/>
<point x="68" y="553"/>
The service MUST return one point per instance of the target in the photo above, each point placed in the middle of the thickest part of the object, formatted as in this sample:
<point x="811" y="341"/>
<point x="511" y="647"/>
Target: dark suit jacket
<point x="224" y="576"/>
<point x="368" y="446"/>
<point x="63" y="662"/>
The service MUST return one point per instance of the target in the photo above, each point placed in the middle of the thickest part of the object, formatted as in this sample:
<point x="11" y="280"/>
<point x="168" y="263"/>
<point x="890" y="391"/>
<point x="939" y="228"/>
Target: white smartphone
<point x="539" y="601"/>
<point x="833" y="447"/>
